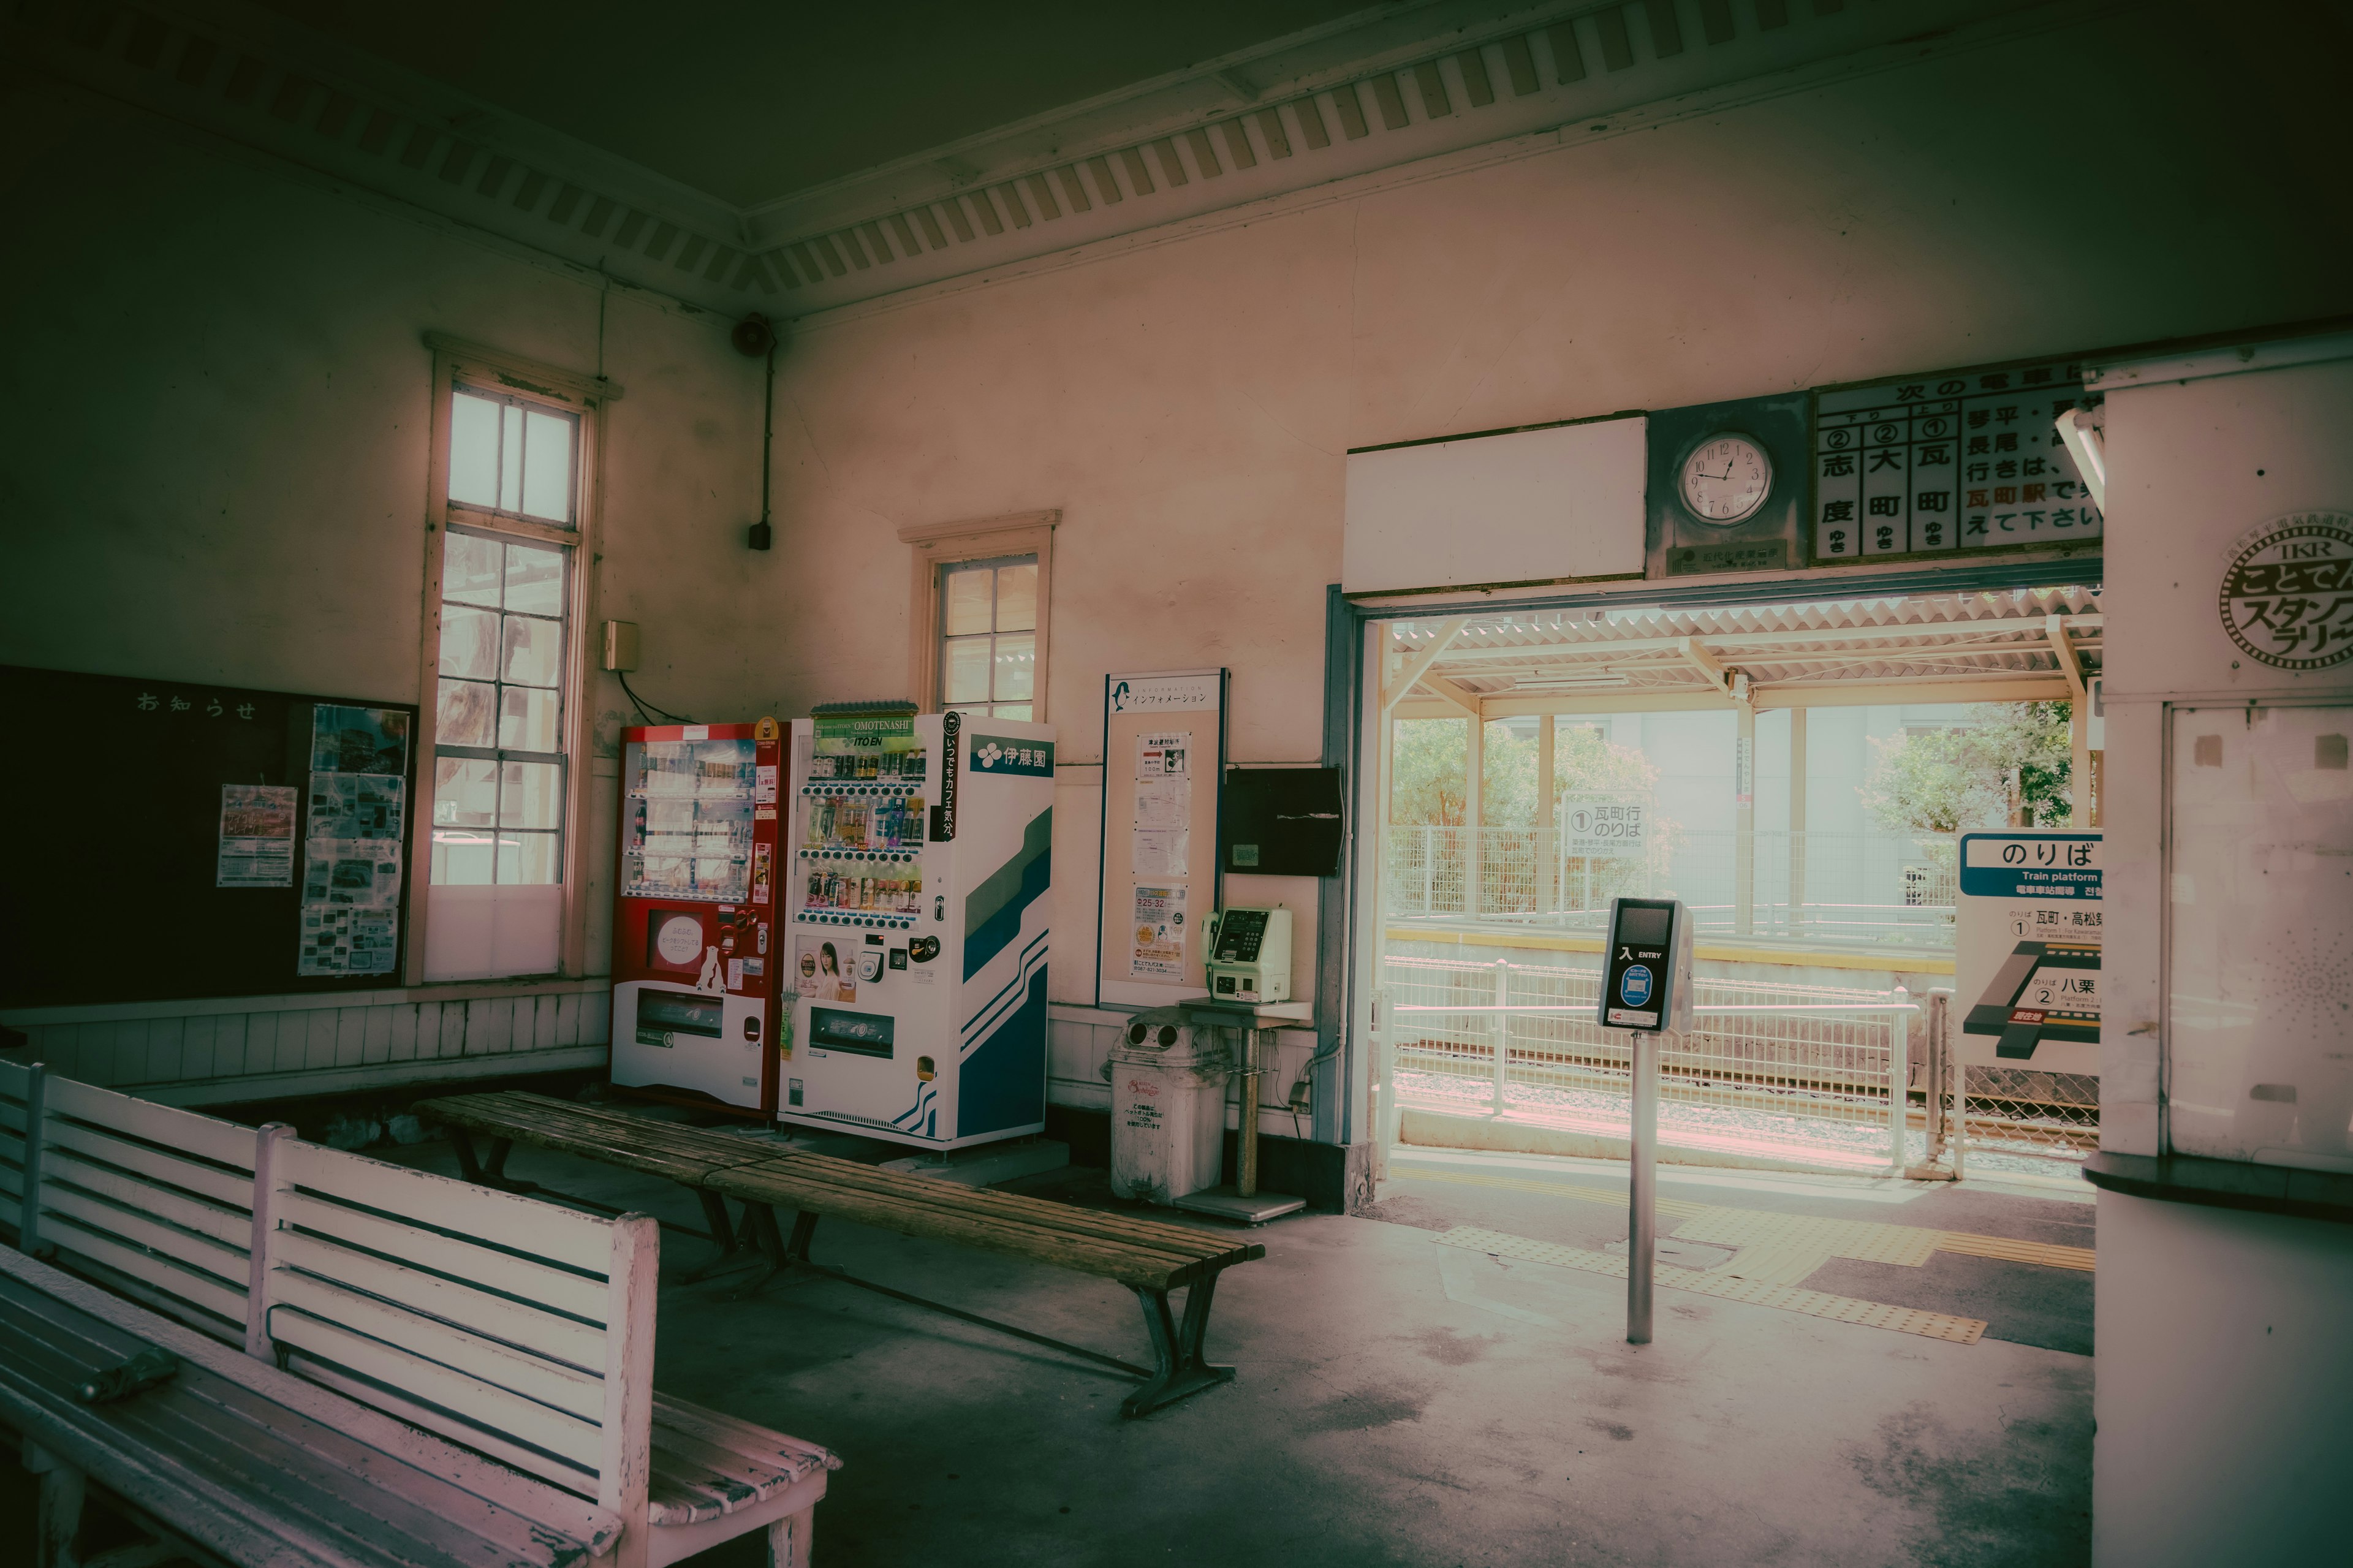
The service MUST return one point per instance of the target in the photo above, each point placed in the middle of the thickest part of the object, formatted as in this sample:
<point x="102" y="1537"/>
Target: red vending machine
<point x="695" y="949"/>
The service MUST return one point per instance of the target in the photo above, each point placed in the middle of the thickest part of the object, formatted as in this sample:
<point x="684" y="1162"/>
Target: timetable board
<point x="1958" y="460"/>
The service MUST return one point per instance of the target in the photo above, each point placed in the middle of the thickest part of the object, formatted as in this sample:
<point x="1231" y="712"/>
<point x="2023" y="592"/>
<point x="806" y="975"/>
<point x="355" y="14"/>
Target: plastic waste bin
<point x="1167" y="1108"/>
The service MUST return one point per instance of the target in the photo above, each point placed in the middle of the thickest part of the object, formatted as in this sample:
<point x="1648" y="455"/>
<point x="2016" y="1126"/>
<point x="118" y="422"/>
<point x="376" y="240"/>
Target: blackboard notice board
<point x="146" y="821"/>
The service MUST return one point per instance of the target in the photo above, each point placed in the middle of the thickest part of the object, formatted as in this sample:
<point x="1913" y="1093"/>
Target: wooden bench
<point x="519" y="1329"/>
<point x="1152" y="1257"/>
<point x="238" y="1461"/>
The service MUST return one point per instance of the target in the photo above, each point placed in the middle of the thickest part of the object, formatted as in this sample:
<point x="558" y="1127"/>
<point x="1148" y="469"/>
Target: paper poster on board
<point x="1161" y="852"/>
<point x="351" y="856"/>
<point x="1167" y="754"/>
<point x="1156" y="938"/>
<point x="256" y="836"/>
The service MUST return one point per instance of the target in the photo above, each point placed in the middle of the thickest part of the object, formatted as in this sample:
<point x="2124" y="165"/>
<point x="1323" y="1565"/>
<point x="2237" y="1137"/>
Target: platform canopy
<point x="2021" y="644"/>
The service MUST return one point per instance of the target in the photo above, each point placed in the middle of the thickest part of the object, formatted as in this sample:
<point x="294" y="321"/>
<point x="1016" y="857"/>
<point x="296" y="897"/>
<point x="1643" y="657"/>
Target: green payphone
<point x="1250" y="955"/>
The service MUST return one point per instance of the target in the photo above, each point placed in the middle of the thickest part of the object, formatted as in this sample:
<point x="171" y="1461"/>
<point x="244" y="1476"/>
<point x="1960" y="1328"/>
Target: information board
<point x="1164" y="760"/>
<point x="2027" y="950"/>
<point x="176" y="839"/>
<point x="1929" y="465"/>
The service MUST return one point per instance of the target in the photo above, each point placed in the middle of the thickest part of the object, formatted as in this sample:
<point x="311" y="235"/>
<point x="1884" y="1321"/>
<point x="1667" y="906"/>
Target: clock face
<point x="1726" y="479"/>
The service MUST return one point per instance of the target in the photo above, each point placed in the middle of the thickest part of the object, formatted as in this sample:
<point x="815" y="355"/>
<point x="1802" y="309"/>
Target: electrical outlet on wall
<point x="620" y="645"/>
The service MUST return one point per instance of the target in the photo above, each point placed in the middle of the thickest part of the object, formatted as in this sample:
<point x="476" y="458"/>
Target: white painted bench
<point x="519" y="1329"/>
<point x="231" y="1459"/>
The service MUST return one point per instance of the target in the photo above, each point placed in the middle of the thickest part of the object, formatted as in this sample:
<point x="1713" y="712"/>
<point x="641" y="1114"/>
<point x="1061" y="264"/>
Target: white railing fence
<point x="1768" y="1071"/>
<point x="1815" y="886"/>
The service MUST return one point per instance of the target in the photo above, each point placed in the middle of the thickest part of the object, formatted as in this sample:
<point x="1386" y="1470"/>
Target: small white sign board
<point x="2021" y="888"/>
<point x="1602" y="826"/>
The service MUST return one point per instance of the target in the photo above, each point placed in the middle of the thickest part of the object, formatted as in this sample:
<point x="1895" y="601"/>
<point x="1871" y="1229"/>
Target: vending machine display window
<point x="686" y="820"/>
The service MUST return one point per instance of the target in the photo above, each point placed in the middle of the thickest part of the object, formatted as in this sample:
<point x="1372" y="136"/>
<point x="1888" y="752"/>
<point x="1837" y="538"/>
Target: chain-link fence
<point x="1876" y="887"/>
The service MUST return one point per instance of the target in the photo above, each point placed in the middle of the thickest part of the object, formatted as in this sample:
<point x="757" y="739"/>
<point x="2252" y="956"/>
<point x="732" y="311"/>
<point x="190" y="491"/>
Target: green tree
<point x="2003" y="756"/>
<point x="1430" y="767"/>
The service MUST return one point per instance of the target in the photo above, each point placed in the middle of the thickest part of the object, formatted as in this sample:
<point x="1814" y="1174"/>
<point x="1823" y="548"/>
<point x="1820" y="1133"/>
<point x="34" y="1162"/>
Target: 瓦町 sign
<point x="2287" y="594"/>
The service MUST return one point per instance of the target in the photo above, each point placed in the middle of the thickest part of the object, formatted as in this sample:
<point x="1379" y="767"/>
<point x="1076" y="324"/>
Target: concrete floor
<point x="1381" y="1417"/>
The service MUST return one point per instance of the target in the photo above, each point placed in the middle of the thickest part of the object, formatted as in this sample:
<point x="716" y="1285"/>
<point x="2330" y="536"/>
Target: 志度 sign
<point x="2027" y="950"/>
<point x="2288" y="594"/>
<point x="1603" y="827"/>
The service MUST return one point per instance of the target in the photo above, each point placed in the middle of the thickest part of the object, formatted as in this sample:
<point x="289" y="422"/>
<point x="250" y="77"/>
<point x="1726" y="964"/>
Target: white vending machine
<point x="920" y="854"/>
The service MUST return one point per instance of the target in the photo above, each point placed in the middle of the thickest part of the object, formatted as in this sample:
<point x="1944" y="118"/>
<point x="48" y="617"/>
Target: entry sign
<point x="1646" y="975"/>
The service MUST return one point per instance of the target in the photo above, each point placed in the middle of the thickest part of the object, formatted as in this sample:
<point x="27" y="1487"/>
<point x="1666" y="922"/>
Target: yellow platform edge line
<point x="1873" y="1250"/>
<point x="1757" y="1293"/>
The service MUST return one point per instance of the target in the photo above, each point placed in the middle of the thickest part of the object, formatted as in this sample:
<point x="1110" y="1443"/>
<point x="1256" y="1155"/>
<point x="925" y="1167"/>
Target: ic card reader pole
<point x="1645" y="993"/>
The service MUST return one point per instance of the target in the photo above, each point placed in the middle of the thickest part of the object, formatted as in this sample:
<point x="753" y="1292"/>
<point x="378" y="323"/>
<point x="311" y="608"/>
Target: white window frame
<point x="457" y="362"/>
<point x="938" y="544"/>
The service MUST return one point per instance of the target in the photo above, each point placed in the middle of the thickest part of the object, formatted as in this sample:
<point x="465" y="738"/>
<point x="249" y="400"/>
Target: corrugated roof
<point x="1807" y="644"/>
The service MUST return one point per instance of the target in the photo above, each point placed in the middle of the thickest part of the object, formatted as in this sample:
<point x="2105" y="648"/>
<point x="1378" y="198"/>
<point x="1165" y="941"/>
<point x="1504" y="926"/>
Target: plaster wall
<point x="213" y="408"/>
<point x="1188" y="405"/>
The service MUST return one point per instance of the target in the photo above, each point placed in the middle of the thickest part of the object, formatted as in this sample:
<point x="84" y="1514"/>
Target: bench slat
<point x="106" y="1148"/>
<point x="527" y="1226"/>
<point x="169" y="1127"/>
<point x="159" y="1274"/>
<point x="429" y="1384"/>
<point x="1129" y="1266"/>
<point x="27" y="1288"/>
<point x="453" y="1301"/>
<point x="531" y="1376"/>
<point x="110" y="1218"/>
<point x="493" y="1113"/>
<point x="694" y="1480"/>
<point x="732" y="1432"/>
<point x="231" y="1227"/>
<point x="1179" y="1242"/>
<point x="557" y="1288"/>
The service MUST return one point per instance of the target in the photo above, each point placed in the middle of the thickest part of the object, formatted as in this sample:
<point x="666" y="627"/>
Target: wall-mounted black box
<point x="1281" y="821"/>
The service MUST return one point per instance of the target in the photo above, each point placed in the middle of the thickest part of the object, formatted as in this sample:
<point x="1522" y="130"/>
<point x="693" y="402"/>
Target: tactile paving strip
<point x="1789" y="1239"/>
<point x="1729" y="1288"/>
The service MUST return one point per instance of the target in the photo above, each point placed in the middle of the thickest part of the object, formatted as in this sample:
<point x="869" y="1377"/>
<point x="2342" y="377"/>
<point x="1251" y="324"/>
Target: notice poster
<point x="351" y="852"/>
<point x="823" y="972"/>
<point x="1157" y="941"/>
<point x="256" y="836"/>
<point x="1161" y="852"/>
<point x="1167" y="754"/>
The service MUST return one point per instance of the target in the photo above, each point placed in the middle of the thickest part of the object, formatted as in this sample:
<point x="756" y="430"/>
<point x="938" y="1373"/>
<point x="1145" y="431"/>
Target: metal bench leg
<point x="723" y="1231"/>
<point x="1177" y="1367"/>
<point x="782" y="1253"/>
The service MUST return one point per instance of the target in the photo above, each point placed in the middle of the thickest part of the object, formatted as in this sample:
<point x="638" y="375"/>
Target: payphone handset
<point x="1646" y="975"/>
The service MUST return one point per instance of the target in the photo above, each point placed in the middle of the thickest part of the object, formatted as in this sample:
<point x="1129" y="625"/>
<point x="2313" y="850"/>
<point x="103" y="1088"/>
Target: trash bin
<point x="1167" y="1108"/>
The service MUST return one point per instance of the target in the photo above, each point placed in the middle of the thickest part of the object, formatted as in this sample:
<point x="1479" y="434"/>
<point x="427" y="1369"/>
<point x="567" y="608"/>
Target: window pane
<point x="531" y="794"/>
<point x="532" y="650"/>
<point x="530" y="859"/>
<point x="461" y="856"/>
<point x="465" y="712"/>
<point x="967" y="602"/>
<point x="964" y="675"/>
<point x="1017" y="668"/>
<point x="464" y="792"/>
<point x="470" y="644"/>
<point x="474" y="450"/>
<point x="536" y="579"/>
<point x="526" y="720"/>
<point x="547" y="467"/>
<point x="470" y="569"/>
<point x="1017" y="598"/>
<point x="1014" y="710"/>
<point x="511" y="459"/>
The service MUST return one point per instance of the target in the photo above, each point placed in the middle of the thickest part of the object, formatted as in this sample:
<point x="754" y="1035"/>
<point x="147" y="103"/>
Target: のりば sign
<point x="2030" y="865"/>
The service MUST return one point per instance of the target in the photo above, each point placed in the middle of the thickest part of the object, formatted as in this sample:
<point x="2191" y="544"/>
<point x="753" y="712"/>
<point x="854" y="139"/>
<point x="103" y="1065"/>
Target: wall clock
<point x="1726" y="479"/>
